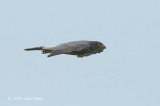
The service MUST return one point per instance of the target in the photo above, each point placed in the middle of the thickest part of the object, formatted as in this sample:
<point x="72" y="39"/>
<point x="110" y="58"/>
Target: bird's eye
<point x="99" y="44"/>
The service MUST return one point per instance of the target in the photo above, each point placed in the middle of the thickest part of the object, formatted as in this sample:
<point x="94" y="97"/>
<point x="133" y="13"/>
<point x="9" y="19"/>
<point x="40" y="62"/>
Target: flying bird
<point x="79" y="48"/>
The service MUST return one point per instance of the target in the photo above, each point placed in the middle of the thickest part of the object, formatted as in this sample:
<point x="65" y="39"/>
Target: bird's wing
<point x="69" y="47"/>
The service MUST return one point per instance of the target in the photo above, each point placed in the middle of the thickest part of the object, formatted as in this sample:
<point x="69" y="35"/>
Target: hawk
<point x="79" y="48"/>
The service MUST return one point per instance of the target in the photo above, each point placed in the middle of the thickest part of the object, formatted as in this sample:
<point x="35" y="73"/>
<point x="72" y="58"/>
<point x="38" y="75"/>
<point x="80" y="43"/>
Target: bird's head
<point x="96" y="45"/>
<point x="101" y="45"/>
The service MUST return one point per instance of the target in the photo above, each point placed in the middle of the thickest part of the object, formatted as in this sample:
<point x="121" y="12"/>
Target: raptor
<point x="79" y="48"/>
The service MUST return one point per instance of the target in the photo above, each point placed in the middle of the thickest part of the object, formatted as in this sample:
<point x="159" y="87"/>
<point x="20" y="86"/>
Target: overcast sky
<point x="125" y="74"/>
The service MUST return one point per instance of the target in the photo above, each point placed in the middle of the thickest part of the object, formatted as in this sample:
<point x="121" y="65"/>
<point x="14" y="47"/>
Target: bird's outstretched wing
<point x="69" y="47"/>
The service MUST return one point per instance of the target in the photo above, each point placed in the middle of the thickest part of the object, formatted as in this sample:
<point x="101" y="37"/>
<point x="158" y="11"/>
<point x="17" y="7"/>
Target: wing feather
<point x="69" y="47"/>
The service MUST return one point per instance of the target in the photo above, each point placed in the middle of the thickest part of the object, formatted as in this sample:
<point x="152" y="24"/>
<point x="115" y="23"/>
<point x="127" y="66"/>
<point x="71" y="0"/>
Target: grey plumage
<point x="79" y="48"/>
<point x="35" y="48"/>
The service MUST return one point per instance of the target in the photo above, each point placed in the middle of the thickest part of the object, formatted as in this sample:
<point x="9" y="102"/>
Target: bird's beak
<point x="104" y="47"/>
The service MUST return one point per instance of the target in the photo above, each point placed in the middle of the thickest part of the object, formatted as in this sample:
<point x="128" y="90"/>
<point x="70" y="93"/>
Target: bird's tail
<point x="34" y="48"/>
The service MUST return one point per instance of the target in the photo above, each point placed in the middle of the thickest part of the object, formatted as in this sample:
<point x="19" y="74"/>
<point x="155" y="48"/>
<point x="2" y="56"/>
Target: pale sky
<point x="127" y="73"/>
